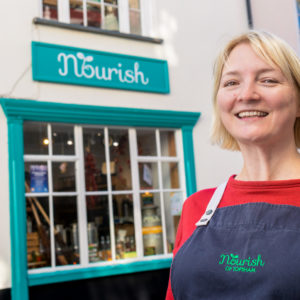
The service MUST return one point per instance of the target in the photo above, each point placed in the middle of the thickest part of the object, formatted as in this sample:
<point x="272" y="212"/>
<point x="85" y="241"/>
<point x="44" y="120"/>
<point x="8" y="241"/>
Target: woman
<point x="242" y="240"/>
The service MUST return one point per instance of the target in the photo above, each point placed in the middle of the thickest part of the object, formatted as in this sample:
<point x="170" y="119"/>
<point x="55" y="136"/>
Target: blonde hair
<point x="275" y="52"/>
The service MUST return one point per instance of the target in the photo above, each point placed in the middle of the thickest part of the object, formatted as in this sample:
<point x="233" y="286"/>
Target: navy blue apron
<point x="248" y="251"/>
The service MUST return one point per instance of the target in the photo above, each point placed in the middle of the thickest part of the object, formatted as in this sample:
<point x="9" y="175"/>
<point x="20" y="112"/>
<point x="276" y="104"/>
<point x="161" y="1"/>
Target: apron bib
<point x="248" y="251"/>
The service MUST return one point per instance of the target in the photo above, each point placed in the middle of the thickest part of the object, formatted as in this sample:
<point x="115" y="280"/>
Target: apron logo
<point x="235" y="264"/>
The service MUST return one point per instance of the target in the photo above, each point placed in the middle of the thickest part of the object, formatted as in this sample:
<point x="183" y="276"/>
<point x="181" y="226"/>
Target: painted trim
<point x="17" y="210"/>
<point x="99" y="271"/>
<point x="18" y="110"/>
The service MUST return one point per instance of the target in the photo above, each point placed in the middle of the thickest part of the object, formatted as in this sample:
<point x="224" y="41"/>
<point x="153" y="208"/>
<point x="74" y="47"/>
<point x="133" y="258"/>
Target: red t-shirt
<point x="237" y="192"/>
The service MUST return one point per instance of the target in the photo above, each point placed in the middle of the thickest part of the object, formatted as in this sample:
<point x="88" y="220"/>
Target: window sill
<point x="99" y="271"/>
<point x="41" y="21"/>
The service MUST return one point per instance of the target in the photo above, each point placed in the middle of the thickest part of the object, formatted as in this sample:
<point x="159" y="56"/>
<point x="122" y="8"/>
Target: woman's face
<point x="256" y="102"/>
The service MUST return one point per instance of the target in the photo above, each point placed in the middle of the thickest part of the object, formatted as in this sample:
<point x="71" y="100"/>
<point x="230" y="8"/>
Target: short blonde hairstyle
<point x="275" y="52"/>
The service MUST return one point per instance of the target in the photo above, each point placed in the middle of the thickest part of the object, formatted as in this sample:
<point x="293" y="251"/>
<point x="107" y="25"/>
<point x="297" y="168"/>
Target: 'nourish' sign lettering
<point x="69" y="65"/>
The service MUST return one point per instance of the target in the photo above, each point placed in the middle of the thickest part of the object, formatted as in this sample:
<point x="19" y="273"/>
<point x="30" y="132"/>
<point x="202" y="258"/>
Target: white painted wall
<point x="193" y="32"/>
<point x="279" y="17"/>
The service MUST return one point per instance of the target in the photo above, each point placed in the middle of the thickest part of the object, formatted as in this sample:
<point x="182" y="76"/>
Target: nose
<point x="248" y="91"/>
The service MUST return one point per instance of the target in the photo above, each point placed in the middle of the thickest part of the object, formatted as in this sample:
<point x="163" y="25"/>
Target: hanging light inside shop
<point x="70" y="142"/>
<point x="45" y="141"/>
<point x="115" y="144"/>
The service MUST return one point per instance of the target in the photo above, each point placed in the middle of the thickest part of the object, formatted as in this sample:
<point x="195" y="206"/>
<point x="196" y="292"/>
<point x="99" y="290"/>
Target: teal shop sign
<point x="69" y="65"/>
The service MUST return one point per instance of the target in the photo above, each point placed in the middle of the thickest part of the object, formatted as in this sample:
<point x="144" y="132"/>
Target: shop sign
<point x="69" y="65"/>
<point x="38" y="179"/>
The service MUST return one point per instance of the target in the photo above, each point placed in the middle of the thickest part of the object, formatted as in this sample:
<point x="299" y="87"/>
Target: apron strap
<point x="212" y="205"/>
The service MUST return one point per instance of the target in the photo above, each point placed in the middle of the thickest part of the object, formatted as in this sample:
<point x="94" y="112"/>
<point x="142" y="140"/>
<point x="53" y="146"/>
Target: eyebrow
<point x="261" y="71"/>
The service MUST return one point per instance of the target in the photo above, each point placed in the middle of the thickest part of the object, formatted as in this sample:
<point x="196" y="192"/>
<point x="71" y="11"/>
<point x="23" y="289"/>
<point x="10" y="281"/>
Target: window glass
<point x="167" y="143"/>
<point x="170" y="176"/>
<point x="135" y="22"/>
<point x="115" y="2"/>
<point x="134" y="4"/>
<point x="94" y="159"/>
<point x="151" y="222"/>
<point x="173" y="205"/>
<point x="111" y="18"/>
<point x="119" y="159"/>
<point x="35" y="138"/>
<point x="98" y="228"/>
<point x="146" y="142"/>
<point x="124" y="227"/>
<point x="50" y="9"/>
<point x="100" y="178"/>
<point x="94" y="14"/>
<point x="36" y="177"/>
<point x="148" y="175"/>
<point x="63" y="176"/>
<point x="66" y="231"/>
<point x="63" y="139"/>
<point x="76" y="12"/>
<point x="38" y="233"/>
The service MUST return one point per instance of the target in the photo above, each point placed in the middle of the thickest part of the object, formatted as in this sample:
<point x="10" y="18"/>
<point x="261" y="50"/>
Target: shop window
<point x="100" y="195"/>
<point x="128" y="16"/>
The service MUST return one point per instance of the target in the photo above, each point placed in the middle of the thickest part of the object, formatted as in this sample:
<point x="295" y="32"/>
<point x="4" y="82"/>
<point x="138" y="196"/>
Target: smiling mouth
<point x="251" y="113"/>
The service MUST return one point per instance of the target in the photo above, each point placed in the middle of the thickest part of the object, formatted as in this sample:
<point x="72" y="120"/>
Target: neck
<point x="280" y="162"/>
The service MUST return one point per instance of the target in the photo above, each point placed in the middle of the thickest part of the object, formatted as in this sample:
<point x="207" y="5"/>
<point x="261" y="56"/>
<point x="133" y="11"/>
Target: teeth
<point x="251" y="114"/>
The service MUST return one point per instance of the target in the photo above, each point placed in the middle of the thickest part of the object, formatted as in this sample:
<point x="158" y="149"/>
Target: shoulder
<point x="193" y="208"/>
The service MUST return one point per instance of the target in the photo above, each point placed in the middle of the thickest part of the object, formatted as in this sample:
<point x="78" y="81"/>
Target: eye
<point x="269" y="81"/>
<point x="230" y="83"/>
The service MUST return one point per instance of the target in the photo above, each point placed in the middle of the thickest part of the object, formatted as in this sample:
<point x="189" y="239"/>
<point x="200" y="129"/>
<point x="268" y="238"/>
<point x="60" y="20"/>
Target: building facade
<point x="105" y="118"/>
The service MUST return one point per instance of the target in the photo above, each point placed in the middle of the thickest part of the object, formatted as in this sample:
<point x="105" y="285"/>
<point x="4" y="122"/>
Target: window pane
<point x="94" y="14"/>
<point x="173" y="206"/>
<point x="76" y="12"/>
<point x="151" y="222"/>
<point x="111" y="18"/>
<point x="94" y="159"/>
<point x="115" y="2"/>
<point x="66" y="231"/>
<point x="119" y="159"/>
<point x="50" y="9"/>
<point x="36" y="177"/>
<point x="124" y="226"/>
<point x="134" y="4"/>
<point x="35" y="138"/>
<point x="135" y="22"/>
<point x="170" y="175"/>
<point x="63" y="139"/>
<point x="98" y="228"/>
<point x="38" y="237"/>
<point x="146" y="142"/>
<point x="167" y="143"/>
<point x="148" y="176"/>
<point x="63" y="176"/>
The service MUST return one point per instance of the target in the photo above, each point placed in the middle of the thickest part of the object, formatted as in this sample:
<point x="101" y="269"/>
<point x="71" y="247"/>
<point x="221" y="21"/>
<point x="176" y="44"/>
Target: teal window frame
<point x="19" y="110"/>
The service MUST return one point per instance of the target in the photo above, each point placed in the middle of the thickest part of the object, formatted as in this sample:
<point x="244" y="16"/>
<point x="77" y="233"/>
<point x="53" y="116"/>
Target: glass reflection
<point x="76" y="12"/>
<point x="35" y="138"/>
<point x="148" y="175"/>
<point x="120" y="159"/>
<point x="135" y="22"/>
<point x="50" y="9"/>
<point x="170" y="175"/>
<point x="167" y="143"/>
<point x="98" y="228"/>
<point x="173" y="206"/>
<point x="63" y="176"/>
<point x="146" y="142"/>
<point x="94" y="159"/>
<point x="124" y="226"/>
<point x="134" y="4"/>
<point x="63" y="139"/>
<point x="38" y="232"/>
<point x="151" y="222"/>
<point x="111" y="18"/>
<point x="94" y="14"/>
